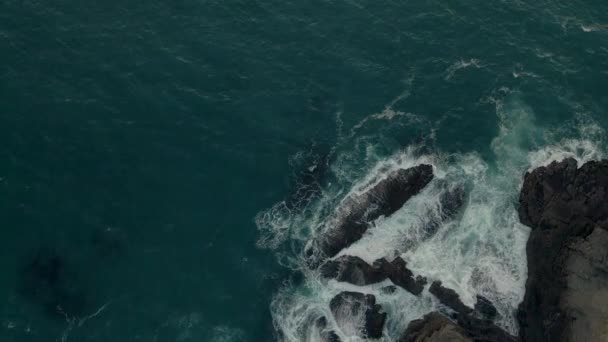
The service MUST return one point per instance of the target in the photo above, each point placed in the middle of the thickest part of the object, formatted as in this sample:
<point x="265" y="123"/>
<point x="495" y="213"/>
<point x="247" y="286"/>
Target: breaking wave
<point x="480" y="251"/>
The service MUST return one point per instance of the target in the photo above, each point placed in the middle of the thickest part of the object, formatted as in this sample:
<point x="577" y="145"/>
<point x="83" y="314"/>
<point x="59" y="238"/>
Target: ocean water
<point x="163" y="164"/>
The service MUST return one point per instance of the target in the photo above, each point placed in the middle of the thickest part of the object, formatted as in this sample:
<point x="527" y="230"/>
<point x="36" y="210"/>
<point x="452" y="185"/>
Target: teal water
<point x="141" y="145"/>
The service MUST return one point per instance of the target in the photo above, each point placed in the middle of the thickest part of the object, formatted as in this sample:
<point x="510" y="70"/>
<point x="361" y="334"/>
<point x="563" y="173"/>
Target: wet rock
<point x="434" y="327"/>
<point x="358" y="314"/>
<point x="47" y="280"/>
<point x="567" y="209"/>
<point x="352" y="270"/>
<point x="483" y="330"/>
<point x="389" y="289"/>
<point x="356" y="271"/>
<point x="449" y="298"/>
<point x="354" y="217"/>
<point x="400" y="275"/>
<point x="485" y="308"/>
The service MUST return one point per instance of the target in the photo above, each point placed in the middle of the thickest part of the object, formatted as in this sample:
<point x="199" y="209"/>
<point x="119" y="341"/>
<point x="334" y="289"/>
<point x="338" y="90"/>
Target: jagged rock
<point x="352" y="269"/>
<point x="449" y="298"/>
<point x="358" y="311"/>
<point x="485" y="308"/>
<point x="567" y="209"/>
<point x="483" y="330"/>
<point x="435" y="327"/>
<point x="356" y="271"/>
<point x="354" y="217"/>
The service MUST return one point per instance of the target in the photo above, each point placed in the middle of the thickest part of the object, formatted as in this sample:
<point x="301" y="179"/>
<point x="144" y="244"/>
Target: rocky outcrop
<point x="586" y="299"/>
<point x="567" y="209"/>
<point x="485" y="308"/>
<point x="356" y="271"/>
<point x="483" y="330"/>
<point x="449" y="298"/>
<point x="354" y="217"/>
<point x="358" y="314"/>
<point x="436" y="327"/>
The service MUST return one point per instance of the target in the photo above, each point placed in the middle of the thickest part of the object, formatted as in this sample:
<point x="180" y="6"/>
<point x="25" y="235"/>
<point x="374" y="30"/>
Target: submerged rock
<point x="566" y="290"/>
<point x="357" y="313"/>
<point x="354" y="217"/>
<point x="356" y="271"/>
<point x="326" y="334"/>
<point x="485" y="308"/>
<point x="450" y="202"/>
<point x="47" y="281"/>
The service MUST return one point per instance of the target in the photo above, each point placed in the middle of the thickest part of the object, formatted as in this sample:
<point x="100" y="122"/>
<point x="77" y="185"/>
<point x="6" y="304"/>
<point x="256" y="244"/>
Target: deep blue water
<point x="140" y="140"/>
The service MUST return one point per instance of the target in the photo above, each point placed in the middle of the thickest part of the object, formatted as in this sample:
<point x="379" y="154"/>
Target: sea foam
<point x="480" y="251"/>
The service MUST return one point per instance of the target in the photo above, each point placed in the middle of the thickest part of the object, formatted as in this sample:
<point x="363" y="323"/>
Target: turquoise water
<point x="144" y="145"/>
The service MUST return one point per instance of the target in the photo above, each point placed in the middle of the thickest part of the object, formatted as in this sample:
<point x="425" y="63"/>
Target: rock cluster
<point x="566" y="295"/>
<point x="356" y="271"/>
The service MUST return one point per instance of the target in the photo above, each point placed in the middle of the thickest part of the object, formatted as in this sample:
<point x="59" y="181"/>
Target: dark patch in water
<point x="47" y="280"/>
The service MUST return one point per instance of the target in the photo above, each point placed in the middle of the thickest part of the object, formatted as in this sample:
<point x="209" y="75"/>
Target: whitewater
<point x="480" y="251"/>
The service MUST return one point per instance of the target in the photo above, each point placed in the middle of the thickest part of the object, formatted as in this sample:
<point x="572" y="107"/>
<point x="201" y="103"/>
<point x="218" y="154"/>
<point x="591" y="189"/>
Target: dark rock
<point x="354" y="217"/>
<point x="586" y="299"/>
<point x="352" y="270"/>
<point x="564" y="206"/>
<point x="356" y="271"/>
<point x="485" y="308"/>
<point x="389" y="289"/>
<point x="400" y="275"/>
<point x="449" y="298"/>
<point x="348" y="307"/>
<point x="435" y="327"/>
<point x="46" y="280"/>
<point x="483" y="330"/>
